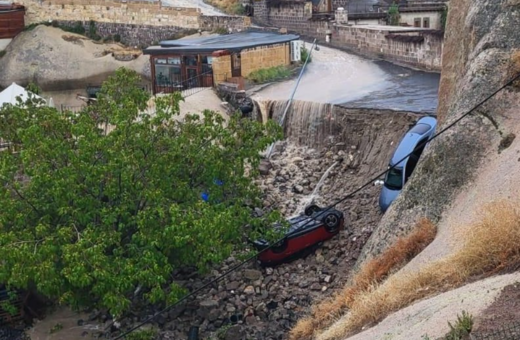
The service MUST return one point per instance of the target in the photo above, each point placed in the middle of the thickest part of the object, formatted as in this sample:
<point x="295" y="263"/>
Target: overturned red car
<point x="314" y="226"/>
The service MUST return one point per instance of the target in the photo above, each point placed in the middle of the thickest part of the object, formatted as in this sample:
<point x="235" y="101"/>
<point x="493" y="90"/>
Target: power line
<point x="239" y="265"/>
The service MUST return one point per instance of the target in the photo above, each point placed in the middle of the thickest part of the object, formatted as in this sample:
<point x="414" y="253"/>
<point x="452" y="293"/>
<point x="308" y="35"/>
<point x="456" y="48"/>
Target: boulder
<point x="59" y="60"/>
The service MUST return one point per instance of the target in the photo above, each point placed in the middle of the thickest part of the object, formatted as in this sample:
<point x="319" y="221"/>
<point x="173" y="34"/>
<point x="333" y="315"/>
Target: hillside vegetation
<point x="492" y="247"/>
<point x="228" y="6"/>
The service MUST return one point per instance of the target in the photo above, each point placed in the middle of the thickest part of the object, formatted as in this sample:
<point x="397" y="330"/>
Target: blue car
<point x="413" y="142"/>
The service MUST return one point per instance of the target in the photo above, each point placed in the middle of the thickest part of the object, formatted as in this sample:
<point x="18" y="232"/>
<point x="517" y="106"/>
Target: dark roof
<point x="231" y="42"/>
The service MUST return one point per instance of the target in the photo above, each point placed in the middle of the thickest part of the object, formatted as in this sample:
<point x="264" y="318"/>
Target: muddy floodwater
<point x="338" y="77"/>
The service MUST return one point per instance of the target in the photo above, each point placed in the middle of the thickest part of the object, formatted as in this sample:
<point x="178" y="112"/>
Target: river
<point x="338" y="77"/>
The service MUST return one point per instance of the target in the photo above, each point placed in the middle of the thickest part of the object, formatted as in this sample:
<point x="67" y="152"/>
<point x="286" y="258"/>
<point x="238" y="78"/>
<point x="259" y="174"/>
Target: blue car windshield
<point x="394" y="179"/>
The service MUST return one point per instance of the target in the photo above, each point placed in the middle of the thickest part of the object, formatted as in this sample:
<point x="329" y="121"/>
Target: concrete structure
<point x="416" y="47"/>
<point x="208" y="61"/>
<point x="428" y="17"/>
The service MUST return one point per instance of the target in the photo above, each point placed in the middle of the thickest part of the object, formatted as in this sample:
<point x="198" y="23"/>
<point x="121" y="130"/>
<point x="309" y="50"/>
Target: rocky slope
<point x="58" y="60"/>
<point x="479" y="57"/>
<point x="471" y="165"/>
<point x="264" y="303"/>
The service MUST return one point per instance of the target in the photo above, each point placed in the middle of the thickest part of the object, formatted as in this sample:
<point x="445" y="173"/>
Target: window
<point x="414" y="159"/>
<point x="160" y="60"/>
<point x="191" y="60"/>
<point x="420" y="129"/>
<point x="206" y="64"/>
<point x="426" y="22"/>
<point x="174" y="60"/>
<point x="167" y="75"/>
<point x="394" y="179"/>
<point x="207" y="59"/>
<point x="417" y="22"/>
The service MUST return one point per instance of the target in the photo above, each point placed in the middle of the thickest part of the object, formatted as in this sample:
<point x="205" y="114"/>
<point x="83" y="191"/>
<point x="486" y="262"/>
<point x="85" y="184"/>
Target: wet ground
<point x="204" y="7"/>
<point x="338" y="77"/>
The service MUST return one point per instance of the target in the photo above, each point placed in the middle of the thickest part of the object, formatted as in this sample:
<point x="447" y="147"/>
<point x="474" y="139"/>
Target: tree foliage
<point x="393" y="15"/>
<point x="444" y="17"/>
<point x="100" y="202"/>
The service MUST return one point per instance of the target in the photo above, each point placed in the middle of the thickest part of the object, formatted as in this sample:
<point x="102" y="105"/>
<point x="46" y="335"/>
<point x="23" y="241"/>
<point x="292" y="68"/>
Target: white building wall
<point x="409" y="18"/>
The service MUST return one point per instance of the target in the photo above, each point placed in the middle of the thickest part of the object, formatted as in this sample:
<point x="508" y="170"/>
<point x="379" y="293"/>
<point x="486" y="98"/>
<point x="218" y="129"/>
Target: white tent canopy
<point x="14" y="90"/>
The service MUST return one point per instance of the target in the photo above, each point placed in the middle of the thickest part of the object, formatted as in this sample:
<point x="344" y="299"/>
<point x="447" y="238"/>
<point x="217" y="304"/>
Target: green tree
<point x="32" y="87"/>
<point x="444" y="17"/>
<point x="100" y="202"/>
<point x="393" y="15"/>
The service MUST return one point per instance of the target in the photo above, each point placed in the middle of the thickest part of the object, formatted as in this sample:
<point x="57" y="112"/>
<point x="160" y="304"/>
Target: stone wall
<point x="397" y="47"/>
<point x="423" y="51"/>
<point x="135" y="12"/>
<point x="138" y="23"/>
<point x="141" y="36"/>
<point x="261" y="12"/>
<point x="264" y="57"/>
<point x="251" y="60"/>
<point x="291" y="15"/>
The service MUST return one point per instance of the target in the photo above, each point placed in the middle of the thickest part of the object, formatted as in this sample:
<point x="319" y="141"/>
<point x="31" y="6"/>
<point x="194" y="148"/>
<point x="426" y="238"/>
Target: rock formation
<point x="58" y="60"/>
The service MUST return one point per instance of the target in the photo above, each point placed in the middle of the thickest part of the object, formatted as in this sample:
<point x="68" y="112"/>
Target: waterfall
<point x="307" y="123"/>
<point x="315" y="193"/>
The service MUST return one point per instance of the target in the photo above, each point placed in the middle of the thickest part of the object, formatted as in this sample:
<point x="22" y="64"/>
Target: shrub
<point x="220" y="30"/>
<point x="31" y="26"/>
<point x="32" y="87"/>
<point x="2" y="53"/>
<point x="492" y="246"/>
<point x="269" y="74"/>
<point x="304" y="53"/>
<point x="462" y="327"/>
<point x="147" y="334"/>
<point x="444" y="17"/>
<point x="237" y="9"/>
<point x="76" y="28"/>
<point x="393" y="15"/>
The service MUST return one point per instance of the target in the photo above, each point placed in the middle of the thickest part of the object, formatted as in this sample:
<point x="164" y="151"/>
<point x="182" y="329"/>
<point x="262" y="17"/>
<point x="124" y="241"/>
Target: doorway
<point x="236" y="66"/>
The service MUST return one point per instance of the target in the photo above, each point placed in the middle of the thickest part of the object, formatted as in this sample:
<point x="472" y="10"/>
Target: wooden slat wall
<point x="11" y="22"/>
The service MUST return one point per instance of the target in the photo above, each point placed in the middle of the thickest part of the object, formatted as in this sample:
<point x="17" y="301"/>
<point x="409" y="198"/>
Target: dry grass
<point x="375" y="271"/>
<point x="228" y="6"/>
<point x="491" y="246"/>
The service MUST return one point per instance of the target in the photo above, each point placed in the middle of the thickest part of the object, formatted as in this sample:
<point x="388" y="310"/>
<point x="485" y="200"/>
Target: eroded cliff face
<point x="481" y="54"/>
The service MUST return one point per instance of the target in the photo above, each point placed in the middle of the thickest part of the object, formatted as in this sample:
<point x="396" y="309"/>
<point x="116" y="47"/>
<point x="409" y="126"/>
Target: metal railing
<point x="71" y="108"/>
<point x="187" y="86"/>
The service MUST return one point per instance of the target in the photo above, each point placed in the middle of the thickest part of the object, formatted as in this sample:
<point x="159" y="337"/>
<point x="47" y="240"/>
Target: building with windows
<point x="207" y="61"/>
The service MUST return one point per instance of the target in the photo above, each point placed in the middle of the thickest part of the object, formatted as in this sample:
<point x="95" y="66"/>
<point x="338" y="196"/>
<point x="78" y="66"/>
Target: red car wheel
<point x="331" y="222"/>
